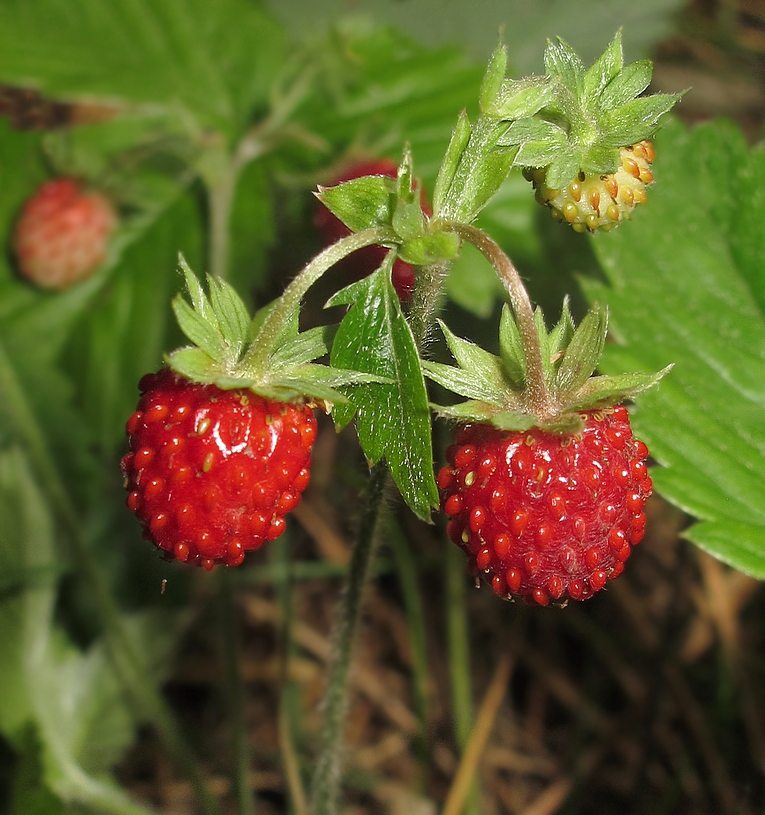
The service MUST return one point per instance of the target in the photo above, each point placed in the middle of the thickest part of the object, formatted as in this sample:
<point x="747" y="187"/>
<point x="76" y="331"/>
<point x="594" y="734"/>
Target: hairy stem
<point x="289" y="302"/>
<point x="326" y="779"/>
<point x="540" y="401"/>
<point x="235" y="698"/>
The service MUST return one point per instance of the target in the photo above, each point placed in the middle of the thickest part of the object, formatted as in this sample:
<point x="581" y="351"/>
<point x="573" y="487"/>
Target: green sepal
<point x="361" y="203"/>
<point x="582" y="354"/>
<point x="218" y="323"/>
<point x="457" y="143"/>
<point x="599" y="391"/>
<point x="427" y="249"/>
<point x="605" y="68"/>
<point x="511" y="349"/>
<point x="464" y="383"/>
<point x="562" y="170"/>
<point x="195" y="364"/>
<point x="480" y="364"/>
<point x="408" y="218"/>
<point x="630" y="122"/>
<point x="491" y="85"/>
<point x="303" y="347"/>
<point x="540" y="142"/>
<point x="630" y="83"/>
<point x="563" y="63"/>
<point x="523" y="97"/>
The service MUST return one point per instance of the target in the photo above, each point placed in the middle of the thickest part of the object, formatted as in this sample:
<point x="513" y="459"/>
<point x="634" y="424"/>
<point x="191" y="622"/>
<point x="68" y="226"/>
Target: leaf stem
<point x="289" y="301"/>
<point x="540" y="401"/>
<point x="326" y="778"/>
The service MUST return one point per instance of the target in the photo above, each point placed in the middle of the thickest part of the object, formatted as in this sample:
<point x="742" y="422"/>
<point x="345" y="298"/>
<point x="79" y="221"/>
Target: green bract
<point x="496" y="386"/>
<point x="586" y="114"/>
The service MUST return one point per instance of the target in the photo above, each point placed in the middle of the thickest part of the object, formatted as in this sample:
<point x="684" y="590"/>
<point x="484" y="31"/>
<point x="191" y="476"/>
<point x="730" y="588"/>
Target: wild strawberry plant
<point x="574" y="478"/>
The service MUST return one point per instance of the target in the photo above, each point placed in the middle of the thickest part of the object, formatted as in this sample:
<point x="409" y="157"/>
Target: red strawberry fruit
<point x="220" y="441"/>
<point x="542" y="515"/>
<point x="211" y="473"/>
<point x="367" y="260"/>
<point x="545" y="485"/>
<point x="62" y="234"/>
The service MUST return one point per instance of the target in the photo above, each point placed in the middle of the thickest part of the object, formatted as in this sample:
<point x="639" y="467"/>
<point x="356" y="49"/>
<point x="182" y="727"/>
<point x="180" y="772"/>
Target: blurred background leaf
<point x="689" y="290"/>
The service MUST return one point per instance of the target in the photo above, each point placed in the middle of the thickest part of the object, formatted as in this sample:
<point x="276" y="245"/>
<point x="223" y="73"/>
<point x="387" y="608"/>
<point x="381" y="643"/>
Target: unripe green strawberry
<point x="544" y="516"/>
<point x="62" y="234"/>
<point x="594" y="201"/>
<point x="211" y="473"/>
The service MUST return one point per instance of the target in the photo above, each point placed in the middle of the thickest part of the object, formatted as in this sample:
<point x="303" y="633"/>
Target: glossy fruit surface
<point x="542" y="516"/>
<point x="62" y="234"/>
<point x="591" y="202"/>
<point x="366" y="260"/>
<point x="211" y="473"/>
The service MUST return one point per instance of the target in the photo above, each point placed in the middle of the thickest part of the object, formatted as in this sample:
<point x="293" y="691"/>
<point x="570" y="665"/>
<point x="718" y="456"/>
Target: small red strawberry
<point x="367" y="260"/>
<point x="220" y="441"/>
<point x="545" y="484"/>
<point x="546" y="516"/>
<point x="62" y="234"/>
<point x="211" y="473"/>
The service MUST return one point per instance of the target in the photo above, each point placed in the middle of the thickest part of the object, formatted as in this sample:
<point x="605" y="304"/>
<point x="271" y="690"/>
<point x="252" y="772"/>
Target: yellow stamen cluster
<point x="593" y="202"/>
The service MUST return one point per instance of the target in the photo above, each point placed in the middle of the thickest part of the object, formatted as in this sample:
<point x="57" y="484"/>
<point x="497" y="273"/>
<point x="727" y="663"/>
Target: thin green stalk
<point x="235" y="697"/>
<point x="539" y="398"/>
<point x="289" y="301"/>
<point x="220" y="194"/>
<point x="459" y="661"/>
<point x="130" y="668"/>
<point x="326" y="779"/>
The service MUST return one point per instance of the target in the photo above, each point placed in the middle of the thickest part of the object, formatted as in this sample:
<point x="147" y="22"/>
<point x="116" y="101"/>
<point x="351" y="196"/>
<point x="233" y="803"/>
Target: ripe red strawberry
<point x="211" y="473"/>
<point x="544" y="486"/>
<point x="546" y="516"/>
<point x="62" y="234"/>
<point x="367" y="260"/>
<point x="600" y="201"/>
<point x="220" y="442"/>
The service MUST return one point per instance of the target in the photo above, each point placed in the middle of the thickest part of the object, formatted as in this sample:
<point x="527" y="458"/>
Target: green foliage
<point x="686" y="286"/>
<point x="392" y="420"/>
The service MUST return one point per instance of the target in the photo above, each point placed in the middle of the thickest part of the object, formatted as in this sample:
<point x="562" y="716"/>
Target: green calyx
<point x="585" y="114"/>
<point x="497" y="387"/>
<point x="228" y="348"/>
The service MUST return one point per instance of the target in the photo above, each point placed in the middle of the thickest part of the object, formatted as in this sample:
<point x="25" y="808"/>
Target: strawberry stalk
<point x="537" y="394"/>
<point x="325" y="783"/>
<point x="289" y="301"/>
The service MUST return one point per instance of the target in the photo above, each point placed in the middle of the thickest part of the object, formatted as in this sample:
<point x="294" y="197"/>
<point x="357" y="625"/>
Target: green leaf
<point x="686" y="286"/>
<point x="392" y="420"/>
<point x="216" y="62"/>
<point x="195" y="364"/>
<point x="361" y="203"/>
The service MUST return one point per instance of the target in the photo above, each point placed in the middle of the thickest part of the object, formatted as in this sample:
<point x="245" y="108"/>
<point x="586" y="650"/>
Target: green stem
<point x="289" y="302"/>
<point x="130" y="668"/>
<point x="326" y="779"/>
<point x="540" y="401"/>
<point x="221" y="200"/>
<point x="235" y="693"/>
